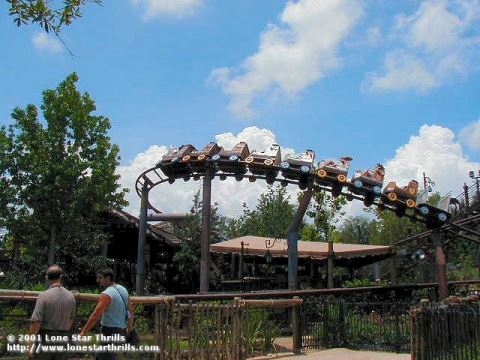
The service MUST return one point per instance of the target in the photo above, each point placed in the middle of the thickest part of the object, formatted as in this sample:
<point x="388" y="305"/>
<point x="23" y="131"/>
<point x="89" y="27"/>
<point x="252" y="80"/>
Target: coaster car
<point x="401" y="197"/>
<point x="334" y="173"/>
<point x="434" y="216"/>
<point x="197" y="160"/>
<point x="298" y="167"/>
<point x="171" y="163"/>
<point x="265" y="162"/>
<point x="231" y="161"/>
<point x="368" y="183"/>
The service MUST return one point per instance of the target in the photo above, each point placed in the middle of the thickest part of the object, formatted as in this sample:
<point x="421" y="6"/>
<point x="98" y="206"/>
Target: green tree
<point x="187" y="258"/>
<point x="324" y="212"/>
<point x="61" y="170"/>
<point x="356" y="230"/>
<point x="272" y="217"/>
<point x="390" y="228"/>
<point x="51" y="15"/>
<point x="6" y="189"/>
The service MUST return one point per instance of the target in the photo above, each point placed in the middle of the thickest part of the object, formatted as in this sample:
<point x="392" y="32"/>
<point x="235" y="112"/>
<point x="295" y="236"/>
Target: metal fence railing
<point x="225" y="326"/>
<point x="467" y="200"/>
<point x="446" y="332"/>
<point x="378" y="326"/>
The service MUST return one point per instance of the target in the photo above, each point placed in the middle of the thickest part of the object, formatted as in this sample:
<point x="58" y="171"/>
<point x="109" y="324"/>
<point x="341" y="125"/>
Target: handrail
<point x="161" y="299"/>
<point x="32" y="296"/>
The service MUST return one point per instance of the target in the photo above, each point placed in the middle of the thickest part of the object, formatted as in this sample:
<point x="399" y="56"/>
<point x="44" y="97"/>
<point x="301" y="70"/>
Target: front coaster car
<point x="298" y="167"/>
<point x="265" y="163"/>
<point x="368" y="183"/>
<point x="401" y="198"/>
<point x="333" y="173"/>
<point x="172" y="165"/>
<point x="435" y="216"/>
<point x="232" y="161"/>
<point x="197" y="161"/>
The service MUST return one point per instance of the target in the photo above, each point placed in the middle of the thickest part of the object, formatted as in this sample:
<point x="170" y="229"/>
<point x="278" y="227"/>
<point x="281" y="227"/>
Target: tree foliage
<point x="187" y="258"/>
<point x="357" y="230"/>
<point x="56" y="175"/>
<point x="324" y="212"/>
<point x="272" y="217"/>
<point x="51" y="15"/>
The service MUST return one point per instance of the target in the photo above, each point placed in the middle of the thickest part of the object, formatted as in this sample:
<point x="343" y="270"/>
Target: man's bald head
<point x="54" y="272"/>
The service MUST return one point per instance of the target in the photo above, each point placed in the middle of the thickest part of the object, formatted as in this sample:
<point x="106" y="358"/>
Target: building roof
<point x="156" y="231"/>
<point x="256" y="245"/>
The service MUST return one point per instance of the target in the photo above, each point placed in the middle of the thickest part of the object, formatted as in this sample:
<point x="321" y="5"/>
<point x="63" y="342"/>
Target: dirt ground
<point x="345" y="354"/>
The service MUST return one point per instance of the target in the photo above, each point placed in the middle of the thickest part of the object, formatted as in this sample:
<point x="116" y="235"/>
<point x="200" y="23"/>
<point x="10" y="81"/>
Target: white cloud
<point x="440" y="41"/>
<point x="171" y="8"/>
<point x="402" y="72"/>
<point x="374" y="36"/>
<point x="45" y="42"/>
<point x="292" y="55"/>
<point x="177" y="197"/>
<point x="435" y="151"/>
<point x="470" y="135"/>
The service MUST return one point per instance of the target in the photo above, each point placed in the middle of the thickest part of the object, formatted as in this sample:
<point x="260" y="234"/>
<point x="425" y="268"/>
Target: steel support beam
<point x="142" y="231"/>
<point x="167" y="217"/>
<point x="205" y="237"/>
<point x="441" y="265"/>
<point x="293" y="240"/>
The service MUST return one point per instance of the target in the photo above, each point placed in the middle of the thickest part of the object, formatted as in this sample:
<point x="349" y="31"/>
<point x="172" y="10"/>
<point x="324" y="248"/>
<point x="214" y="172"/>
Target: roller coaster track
<point x="154" y="176"/>
<point x="448" y="227"/>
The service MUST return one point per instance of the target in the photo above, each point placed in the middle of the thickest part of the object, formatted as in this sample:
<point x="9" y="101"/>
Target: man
<point x="112" y="308"/>
<point x="53" y="314"/>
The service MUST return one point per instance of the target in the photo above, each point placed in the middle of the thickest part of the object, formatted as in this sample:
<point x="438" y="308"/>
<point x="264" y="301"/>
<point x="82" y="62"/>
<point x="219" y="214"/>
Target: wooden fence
<point x="448" y="331"/>
<point x="224" y="330"/>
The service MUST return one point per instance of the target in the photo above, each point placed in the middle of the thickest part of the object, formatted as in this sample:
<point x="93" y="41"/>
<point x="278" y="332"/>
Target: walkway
<point x="346" y="354"/>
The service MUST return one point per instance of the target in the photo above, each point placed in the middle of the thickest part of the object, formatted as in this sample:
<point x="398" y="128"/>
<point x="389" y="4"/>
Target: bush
<point x="260" y="331"/>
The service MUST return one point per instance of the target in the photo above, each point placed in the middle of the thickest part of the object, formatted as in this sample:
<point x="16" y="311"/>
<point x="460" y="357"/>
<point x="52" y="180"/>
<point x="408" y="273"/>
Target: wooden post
<point x="393" y="267"/>
<point x="237" y="329"/>
<point x="297" y="328"/>
<point x="232" y="266"/>
<point x="330" y="266"/>
<point x="240" y="262"/>
<point x="157" y="333"/>
<point x="423" y="328"/>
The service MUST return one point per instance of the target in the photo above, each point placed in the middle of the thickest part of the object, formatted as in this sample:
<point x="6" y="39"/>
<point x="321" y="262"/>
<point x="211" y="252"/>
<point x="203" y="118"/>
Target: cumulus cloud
<point x="470" y="135"/>
<point x="46" y="42"/>
<point x="229" y="194"/>
<point x="436" y="151"/>
<point x="440" y="40"/>
<point x="170" y="8"/>
<point x="292" y="55"/>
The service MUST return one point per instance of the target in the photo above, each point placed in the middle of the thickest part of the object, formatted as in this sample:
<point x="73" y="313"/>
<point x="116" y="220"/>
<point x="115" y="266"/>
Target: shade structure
<point x="258" y="245"/>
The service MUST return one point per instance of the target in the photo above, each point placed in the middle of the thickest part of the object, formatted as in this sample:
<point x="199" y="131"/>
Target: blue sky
<point x="341" y="77"/>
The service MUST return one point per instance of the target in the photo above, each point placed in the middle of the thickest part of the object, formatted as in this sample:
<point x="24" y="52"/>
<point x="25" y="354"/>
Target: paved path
<point x="345" y="354"/>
